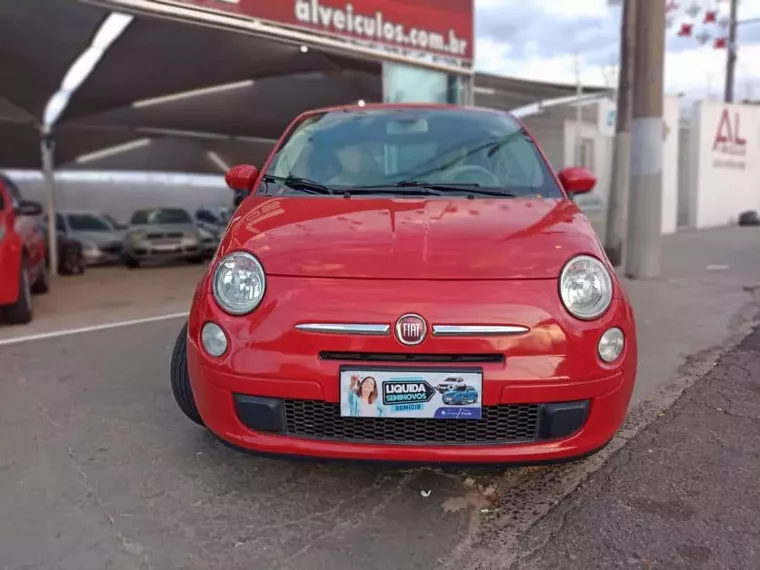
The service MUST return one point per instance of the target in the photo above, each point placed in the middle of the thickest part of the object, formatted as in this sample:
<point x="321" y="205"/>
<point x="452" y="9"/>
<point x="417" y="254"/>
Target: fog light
<point x="214" y="340"/>
<point x="611" y="344"/>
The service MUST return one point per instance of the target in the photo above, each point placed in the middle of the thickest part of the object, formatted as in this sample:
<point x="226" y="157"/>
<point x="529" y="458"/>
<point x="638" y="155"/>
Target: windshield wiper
<point x="298" y="183"/>
<point x="443" y="187"/>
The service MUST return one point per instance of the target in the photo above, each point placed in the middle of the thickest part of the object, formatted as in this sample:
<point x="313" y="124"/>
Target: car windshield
<point x="405" y="150"/>
<point x="110" y="219"/>
<point x="88" y="223"/>
<point x="160" y="216"/>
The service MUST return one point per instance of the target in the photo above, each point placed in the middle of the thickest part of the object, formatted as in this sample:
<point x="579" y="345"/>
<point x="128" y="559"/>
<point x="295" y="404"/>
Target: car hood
<point x="433" y="238"/>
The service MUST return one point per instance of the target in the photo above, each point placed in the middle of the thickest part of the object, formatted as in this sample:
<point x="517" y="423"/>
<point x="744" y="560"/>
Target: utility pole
<point x="728" y="95"/>
<point x="617" y="203"/>
<point x="644" y="251"/>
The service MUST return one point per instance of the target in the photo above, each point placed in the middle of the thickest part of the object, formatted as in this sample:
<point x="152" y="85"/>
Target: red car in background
<point x="385" y="250"/>
<point x="23" y="270"/>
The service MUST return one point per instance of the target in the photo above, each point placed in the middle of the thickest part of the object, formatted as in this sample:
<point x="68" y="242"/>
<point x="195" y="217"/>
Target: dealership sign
<point x="728" y="141"/>
<point x="435" y="27"/>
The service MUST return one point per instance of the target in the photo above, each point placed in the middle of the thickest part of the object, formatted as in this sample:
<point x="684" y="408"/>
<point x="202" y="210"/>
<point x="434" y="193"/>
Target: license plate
<point x="166" y="246"/>
<point x="411" y="393"/>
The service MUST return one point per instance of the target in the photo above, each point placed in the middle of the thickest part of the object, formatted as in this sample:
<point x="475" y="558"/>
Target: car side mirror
<point x="576" y="180"/>
<point x="241" y="178"/>
<point x="28" y="208"/>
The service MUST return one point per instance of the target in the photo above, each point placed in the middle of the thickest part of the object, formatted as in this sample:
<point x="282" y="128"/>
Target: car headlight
<point x="239" y="283"/>
<point x="585" y="287"/>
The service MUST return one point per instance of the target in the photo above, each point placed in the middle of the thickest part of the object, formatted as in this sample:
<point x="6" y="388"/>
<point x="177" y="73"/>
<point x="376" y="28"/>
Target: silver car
<point x="102" y="241"/>
<point x="162" y="234"/>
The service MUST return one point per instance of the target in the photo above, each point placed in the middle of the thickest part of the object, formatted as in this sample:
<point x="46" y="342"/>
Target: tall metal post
<point x="617" y="204"/>
<point x="47" y="148"/>
<point x="728" y="95"/>
<point x="644" y="254"/>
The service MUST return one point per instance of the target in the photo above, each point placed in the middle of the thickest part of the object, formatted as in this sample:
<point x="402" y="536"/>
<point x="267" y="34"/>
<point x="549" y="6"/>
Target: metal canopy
<point x="508" y="93"/>
<point x="20" y="148"/>
<point x="260" y="110"/>
<point x="156" y="57"/>
<point x="39" y="40"/>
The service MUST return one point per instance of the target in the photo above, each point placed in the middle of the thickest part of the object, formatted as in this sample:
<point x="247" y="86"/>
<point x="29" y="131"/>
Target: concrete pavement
<point x="107" y="295"/>
<point x="98" y="469"/>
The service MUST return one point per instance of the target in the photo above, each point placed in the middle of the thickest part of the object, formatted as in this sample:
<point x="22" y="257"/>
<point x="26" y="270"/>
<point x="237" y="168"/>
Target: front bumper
<point x="531" y="425"/>
<point x="276" y="389"/>
<point x="149" y="251"/>
<point x="97" y="256"/>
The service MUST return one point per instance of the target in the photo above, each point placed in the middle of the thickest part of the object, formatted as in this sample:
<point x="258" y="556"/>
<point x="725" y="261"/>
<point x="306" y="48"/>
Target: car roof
<point x="400" y="106"/>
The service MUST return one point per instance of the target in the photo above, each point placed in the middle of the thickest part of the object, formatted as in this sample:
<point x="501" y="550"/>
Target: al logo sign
<point x="728" y="138"/>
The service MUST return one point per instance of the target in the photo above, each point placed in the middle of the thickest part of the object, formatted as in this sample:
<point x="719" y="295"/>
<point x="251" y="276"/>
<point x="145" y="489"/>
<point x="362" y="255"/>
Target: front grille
<point x="411" y="357"/>
<point x="174" y="235"/>
<point x="112" y="248"/>
<point x="155" y="236"/>
<point x="505" y="423"/>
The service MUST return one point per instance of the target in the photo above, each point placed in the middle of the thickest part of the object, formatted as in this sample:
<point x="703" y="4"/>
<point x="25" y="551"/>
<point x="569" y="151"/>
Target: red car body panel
<point x="371" y="260"/>
<point x="20" y="236"/>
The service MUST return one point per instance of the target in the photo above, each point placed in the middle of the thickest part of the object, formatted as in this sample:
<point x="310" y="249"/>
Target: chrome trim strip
<point x="345" y="328"/>
<point x="478" y="330"/>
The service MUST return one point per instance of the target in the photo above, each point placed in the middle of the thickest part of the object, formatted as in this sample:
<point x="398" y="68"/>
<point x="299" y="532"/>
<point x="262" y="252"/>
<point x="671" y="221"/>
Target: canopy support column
<point x="47" y="148"/>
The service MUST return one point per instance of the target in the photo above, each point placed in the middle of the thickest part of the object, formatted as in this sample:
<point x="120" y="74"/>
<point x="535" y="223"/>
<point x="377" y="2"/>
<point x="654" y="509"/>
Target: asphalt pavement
<point x="99" y="470"/>
<point x="684" y="494"/>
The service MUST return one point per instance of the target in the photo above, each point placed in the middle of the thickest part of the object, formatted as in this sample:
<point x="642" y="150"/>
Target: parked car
<point x="162" y="234"/>
<point x="213" y="219"/>
<point x="449" y="383"/>
<point x="102" y="242"/>
<point x="22" y="254"/>
<point x="461" y="394"/>
<point x="71" y="257"/>
<point x="404" y="242"/>
<point x="209" y="243"/>
<point x="118" y="224"/>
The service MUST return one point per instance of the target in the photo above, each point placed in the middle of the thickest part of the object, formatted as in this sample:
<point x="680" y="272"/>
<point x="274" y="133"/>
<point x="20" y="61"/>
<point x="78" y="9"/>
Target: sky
<point x="538" y="39"/>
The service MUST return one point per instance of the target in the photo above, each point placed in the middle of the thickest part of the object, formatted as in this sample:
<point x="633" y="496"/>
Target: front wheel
<point x="20" y="312"/>
<point x="131" y="262"/>
<point x="180" y="379"/>
<point x="41" y="285"/>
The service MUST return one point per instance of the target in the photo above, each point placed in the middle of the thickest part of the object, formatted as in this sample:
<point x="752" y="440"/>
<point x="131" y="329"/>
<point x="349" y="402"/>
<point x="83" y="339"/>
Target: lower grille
<point x="411" y="357"/>
<point x="506" y="423"/>
<point x="112" y="248"/>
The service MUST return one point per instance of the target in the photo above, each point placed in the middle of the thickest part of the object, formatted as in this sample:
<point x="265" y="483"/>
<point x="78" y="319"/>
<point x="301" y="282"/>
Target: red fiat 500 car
<point x="22" y="254"/>
<point x="385" y="250"/>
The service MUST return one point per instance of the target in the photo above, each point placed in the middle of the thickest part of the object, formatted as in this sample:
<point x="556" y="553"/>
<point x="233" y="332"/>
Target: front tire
<point x="41" y="285"/>
<point x="180" y="379"/>
<point x="131" y="262"/>
<point x="20" y="312"/>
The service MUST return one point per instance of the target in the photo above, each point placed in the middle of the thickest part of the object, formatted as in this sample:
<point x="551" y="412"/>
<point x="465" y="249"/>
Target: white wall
<point x="725" y="159"/>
